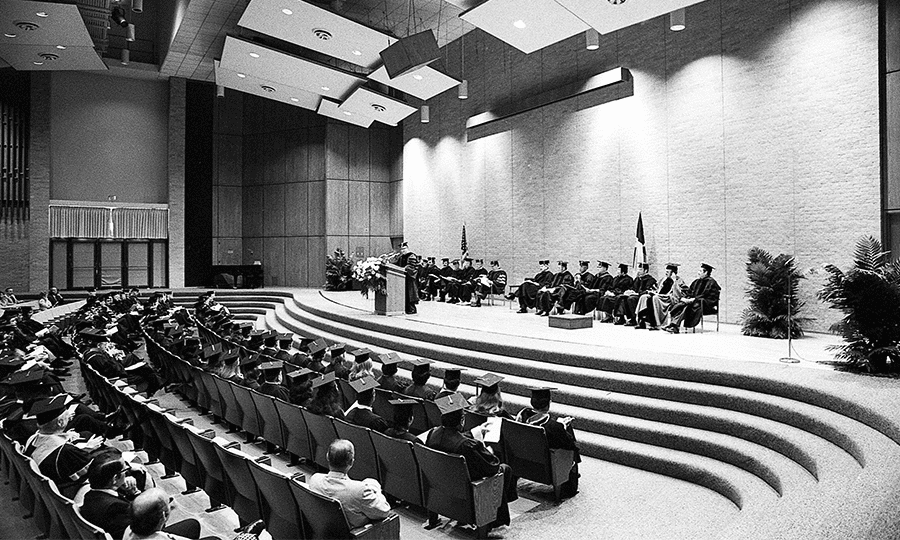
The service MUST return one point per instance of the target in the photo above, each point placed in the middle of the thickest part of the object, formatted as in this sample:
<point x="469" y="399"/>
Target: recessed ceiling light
<point x="348" y="113"/>
<point x="286" y="11"/>
<point x="42" y="14"/>
<point x="241" y="75"/>
<point x="61" y="47"/>
<point x="9" y="35"/>
<point x="295" y="100"/>
<point x="38" y="63"/>
<point x="357" y="53"/>
<point x="254" y="55"/>
<point x="326" y="88"/>
<point x="519" y="24"/>
<point x="417" y="77"/>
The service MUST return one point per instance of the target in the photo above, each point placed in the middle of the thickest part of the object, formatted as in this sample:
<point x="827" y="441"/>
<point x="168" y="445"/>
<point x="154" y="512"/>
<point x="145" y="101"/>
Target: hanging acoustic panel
<point x="330" y="109"/>
<point x="423" y="83"/>
<point x="528" y="25"/>
<point x="45" y="36"/>
<point x="385" y="109"/>
<point x="608" y="16"/>
<point x="266" y="88"/>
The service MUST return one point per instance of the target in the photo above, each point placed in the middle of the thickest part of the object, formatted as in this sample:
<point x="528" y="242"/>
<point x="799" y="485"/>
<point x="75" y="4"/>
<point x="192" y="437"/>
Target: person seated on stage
<point x="326" y="399"/>
<point x="627" y="307"/>
<point x="489" y="400"/>
<point x="362" y="365"/>
<point x="688" y="310"/>
<point x="448" y="280"/>
<point x="559" y="432"/>
<point x="402" y="420"/>
<point x="388" y="380"/>
<point x="480" y="459"/>
<point x="595" y="290"/>
<point x="317" y="355"/>
<point x="421" y="372"/>
<point x="436" y="284"/>
<point x="549" y="295"/>
<point x="456" y="289"/>
<point x="55" y="298"/>
<point x="362" y="501"/>
<point x="468" y="287"/>
<point x="428" y="270"/>
<point x="451" y="382"/>
<point x="300" y="386"/>
<point x="527" y="291"/>
<point x="361" y="413"/>
<point x="337" y="363"/>
<point x="574" y="292"/>
<point x="7" y="298"/>
<point x="607" y="304"/>
<point x="653" y="307"/>
<point x="492" y="283"/>
<point x="272" y="385"/>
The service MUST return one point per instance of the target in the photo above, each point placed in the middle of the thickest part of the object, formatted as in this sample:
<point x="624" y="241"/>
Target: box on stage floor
<point x="571" y="322"/>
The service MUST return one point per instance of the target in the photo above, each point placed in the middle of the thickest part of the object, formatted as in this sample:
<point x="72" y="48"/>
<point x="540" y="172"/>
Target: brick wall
<point x="757" y="125"/>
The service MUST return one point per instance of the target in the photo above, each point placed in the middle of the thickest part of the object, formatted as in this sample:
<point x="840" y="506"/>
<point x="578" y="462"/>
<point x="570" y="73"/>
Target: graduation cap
<point x="366" y="384"/>
<point x="604" y="264"/>
<point x="644" y="266"/>
<point x="420" y="366"/>
<point x="337" y="349"/>
<point x="250" y="362"/>
<point x="246" y="328"/>
<point x="305" y="341"/>
<point x="285" y="340"/>
<point x="546" y="261"/>
<point x="445" y="260"/>
<point x="317" y="348"/>
<point x="270" y="338"/>
<point x="479" y="261"/>
<point x="495" y="263"/>
<point x="429" y="259"/>
<point x="672" y="266"/>
<point x="230" y="357"/>
<point x="540" y="398"/>
<point x="300" y="375"/>
<point x="360" y="355"/>
<point x="271" y="366"/>
<point x="93" y="334"/>
<point x="454" y="261"/>
<point x="32" y="375"/>
<point x="389" y="359"/>
<point x="402" y="408"/>
<point x="50" y="408"/>
<point x="488" y="381"/>
<point x="210" y="350"/>
<point x="452" y="374"/>
<point x="467" y="259"/>
<point x="324" y="379"/>
<point x="176" y="334"/>
<point x="451" y="404"/>
<point x="11" y="361"/>
<point x="708" y="267"/>
<point x="584" y="263"/>
<point x="564" y="264"/>
<point x="623" y="268"/>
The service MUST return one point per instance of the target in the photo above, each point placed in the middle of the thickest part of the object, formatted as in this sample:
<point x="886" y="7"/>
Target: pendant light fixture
<point x="676" y="20"/>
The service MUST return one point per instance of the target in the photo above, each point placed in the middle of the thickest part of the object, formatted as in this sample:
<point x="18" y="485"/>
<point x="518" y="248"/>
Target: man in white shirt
<point x="363" y="501"/>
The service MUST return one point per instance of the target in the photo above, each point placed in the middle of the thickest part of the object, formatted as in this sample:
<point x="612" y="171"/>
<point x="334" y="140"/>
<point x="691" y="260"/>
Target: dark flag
<point x="640" y="249"/>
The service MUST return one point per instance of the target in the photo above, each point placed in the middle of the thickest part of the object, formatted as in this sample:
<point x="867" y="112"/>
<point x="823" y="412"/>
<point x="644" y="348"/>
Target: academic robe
<point x="627" y="307"/>
<point x="621" y="283"/>
<point x="653" y="308"/>
<point x="602" y="283"/>
<point x="365" y="417"/>
<point x="547" y="298"/>
<point x="706" y="289"/>
<point x="527" y="292"/>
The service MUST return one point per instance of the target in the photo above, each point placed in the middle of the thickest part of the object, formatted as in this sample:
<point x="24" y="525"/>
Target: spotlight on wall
<point x="676" y="20"/>
<point x="220" y="90"/>
<point x="464" y="89"/>
<point x="129" y="33"/>
<point x="591" y="39"/>
<point x="137" y="6"/>
<point x="424" y="114"/>
<point x="126" y="57"/>
<point x="118" y="16"/>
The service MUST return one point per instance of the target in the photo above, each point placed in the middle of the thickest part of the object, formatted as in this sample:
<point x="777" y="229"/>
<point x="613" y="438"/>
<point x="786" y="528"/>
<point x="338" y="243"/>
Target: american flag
<point x="463" y="245"/>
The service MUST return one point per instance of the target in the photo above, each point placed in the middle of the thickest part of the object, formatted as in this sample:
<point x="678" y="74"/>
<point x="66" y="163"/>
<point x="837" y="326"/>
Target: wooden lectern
<point x="393" y="302"/>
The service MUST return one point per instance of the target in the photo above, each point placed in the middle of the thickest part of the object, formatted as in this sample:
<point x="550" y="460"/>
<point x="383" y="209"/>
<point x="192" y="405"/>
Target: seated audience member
<point x="528" y="290"/>
<point x="327" y="398"/>
<point x="361" y="413"/>
<point x="610" y="299"/>
<point x="421" y="372"/>
<point x="7" y="298"/>
<point x="492" y="283"/>
<point x="317" y="355"/>
<point x="549" y="295"/>
<point x="489" y="400"/>
<point x="627" y="307"/>
<point x="150" y="511"/>
<point x="480" y="460"/>
<point x="559" y="432"/>
<point x="336" y="364"/>
<point x="272" y="385"/>
<point x="361" y="501"/>
<point x="230" y="368"/>
<point x="688" y="309"/>
<point x="388" y="380"/>
<point x="451" y="382"/>
<point x="362" y="364"/>
<point x="55" y="298"/>
<point x="300" y="387"/>
<point x="250" y="371"/>
<point x="653" y="307"/>
<point x="403" y="418"/>
<point x="44" y="302"/>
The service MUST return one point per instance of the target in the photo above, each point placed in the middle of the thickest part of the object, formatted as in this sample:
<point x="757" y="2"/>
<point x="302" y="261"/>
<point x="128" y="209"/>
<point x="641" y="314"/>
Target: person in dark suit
<point x="492" y="283"/>
<point x="451" y="382"/>
<point x="388" y="380"/>
<point x="574" y="292"/>
<point x="528" y="290"/>
<point x="409" y="261"/>
<point x="437" y="286"/>
<point x="361" y="413"/>
<point x="421" y="372"/>
<point x="472" y="280"/>
<point x="621" y="283"/>
<point x="549" y="295"/>
<point x="595" y="290"/>
<point x="480" y="460"/>
<point x="403" y="419"/>
<point x="272" y="385"/>
<point x="688" y="309"/>
<point x="426" y="272"/>
<point x="559" y="432"/>
<point x="643" y="284"/>
<point x="456" y="289"/>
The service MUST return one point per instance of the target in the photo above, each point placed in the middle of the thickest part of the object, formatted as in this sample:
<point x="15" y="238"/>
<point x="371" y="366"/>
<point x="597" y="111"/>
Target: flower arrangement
<point x="368" y="274"/>
<point x="338" y="271"/>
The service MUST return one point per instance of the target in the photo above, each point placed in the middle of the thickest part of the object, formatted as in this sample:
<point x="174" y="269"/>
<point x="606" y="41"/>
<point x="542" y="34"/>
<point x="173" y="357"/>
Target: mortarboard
<point x="317" y="348"/>
<point x="365" y="384"/>
<point x="324" y="379"/>
<point x="672" y="266"/>
<point x="604" y="264"/>
<point x="623" y="267"/>
<point x="445" y="259"/>
<point x="420" y="365"/>
<point x="337" y="349"/>
<point x="645" y="266"/>
<point x="495" y="263"/>
<point x="47" y="409"/>
<point x="305" y="341"/>
<point x="708" y="267"/>
<point x="540" y="397"/>
<point x="488" y="381"/>
<point x="479" y="261"/>
<point x="584" y="263"/>
<point x="360" y="355"/>
<point x="250" y="362"/>
<point x="271" y="366"/>
<point x="544" y="261"/>
<point x="452" y="403"/>
<point x="32" y="375"/>
<point x="285" y="340"/>
<point x="230" y="357"/>
<point x="452" y="374"/>
<point x="389" y="359"/>
<point x="300" y="375"/>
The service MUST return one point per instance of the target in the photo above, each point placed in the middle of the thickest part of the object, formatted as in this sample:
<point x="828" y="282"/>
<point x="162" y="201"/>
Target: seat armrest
<point x="386" y="529"/>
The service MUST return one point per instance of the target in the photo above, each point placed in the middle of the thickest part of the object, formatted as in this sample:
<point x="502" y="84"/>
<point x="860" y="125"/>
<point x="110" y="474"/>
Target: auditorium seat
<point x="215" y="482"/>
<point x="321" y="435"/>
<point x="190" y="467"/>
<point x="168" y="452"/>
<point x="64" y="507"/>
<point x="198" y="376"/>
<point x="293" y="425"/>
<point x="365" y="464"/>
<point x="448" y="491"/>
<point x="323" y="518"/>
<point x="270" y="425"/>
<point x="279" y="509"/>
<point x="420" y="421"/>
<point x="45" y="515"/>
<point x="432" y="413"/>
<point x="246" y="502"/>
<point x="207" y="380"/>
<point x="249" y="416"/>
<point x="380" y="406"/>
<point x="527" y="452"/>
<point x="87" y="530"/>
<point x="28" y="496"/>
<point x="348" y="396"/>
<point x="231" y="411"/>
<point x="400" y="477"/>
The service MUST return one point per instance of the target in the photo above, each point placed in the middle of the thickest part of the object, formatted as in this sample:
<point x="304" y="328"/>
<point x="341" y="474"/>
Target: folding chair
<point x="526" y="450"/>
<point x="236" y="465"/>
<point x="293" y="425"/>
<point x="321" y="435"/>
<point x="270" y="424"/>
<point x="279" y="509"/>
<point x="365" y="464"/>
<point x="399" y="468"/>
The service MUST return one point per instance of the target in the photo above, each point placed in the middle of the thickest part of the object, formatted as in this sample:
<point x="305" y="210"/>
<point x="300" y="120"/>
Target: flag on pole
<point x="640" y="249"/>
<point x="463" y="245"/>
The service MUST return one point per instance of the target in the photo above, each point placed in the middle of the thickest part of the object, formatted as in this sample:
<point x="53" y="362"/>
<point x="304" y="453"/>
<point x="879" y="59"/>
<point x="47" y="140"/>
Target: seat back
<point x="237" y="469"/>
<point x="208" y="381"/>
<point x="231" y="411"/>
<point x="190" y="469"/>
<point x="420" y="421"/>
<point x="87" y="530"/>
<point x="215" y="482"/>
<point x="198" y="380"/>
<point x="348" y="396"/>
<point x="249" y="416"/>
<point x="473" y="419"/>
<point x="168" y="452"/>
<point x="526" y="451"/>
<point x="280" y="511"/>
<point x="45" y="514"/>
<point x="446" y="488"/>
<point x="65" y="510"/>
<point x="323" y="516"/>
<point x="399" y="468"/>
<point x="432" y="413"/>
<point x="365" y="464"/>
<point x="293" y="425"/>
<point x="380" y="406"/>
<point x="270" y="425"/>
<point x="321" y="435"/>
